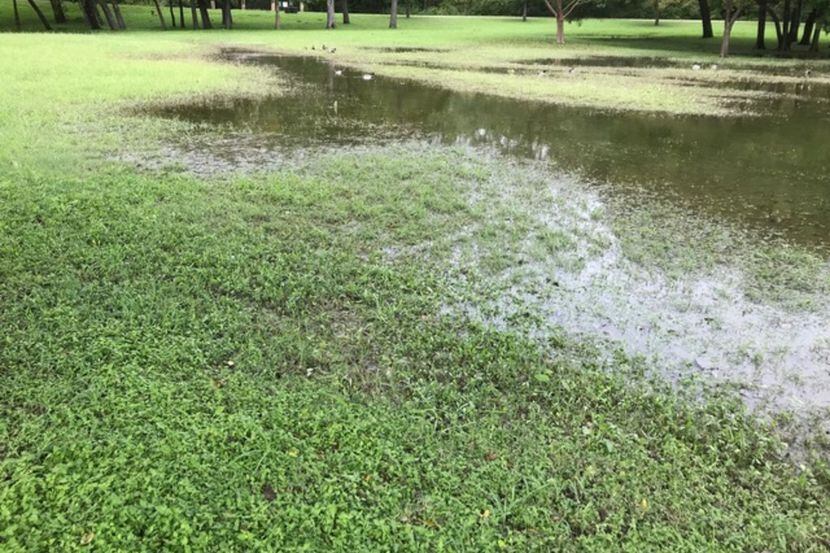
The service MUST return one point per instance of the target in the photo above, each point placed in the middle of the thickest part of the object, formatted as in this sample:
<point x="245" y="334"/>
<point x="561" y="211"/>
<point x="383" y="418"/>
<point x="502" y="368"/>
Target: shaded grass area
<point x="234" y="365"/>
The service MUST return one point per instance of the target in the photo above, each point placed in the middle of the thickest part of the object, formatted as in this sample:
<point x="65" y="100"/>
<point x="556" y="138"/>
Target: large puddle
<point x="742" y="179"/>
<point x="768" y="172"/>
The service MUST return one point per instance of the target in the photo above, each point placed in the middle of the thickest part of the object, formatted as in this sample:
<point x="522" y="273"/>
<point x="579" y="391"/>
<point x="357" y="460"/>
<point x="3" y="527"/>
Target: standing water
<point x="765" y="174"/>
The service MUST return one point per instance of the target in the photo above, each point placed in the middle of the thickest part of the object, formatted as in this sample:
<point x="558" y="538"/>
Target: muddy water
<point x="760" y="175"/>
<point x="766" y="172"/>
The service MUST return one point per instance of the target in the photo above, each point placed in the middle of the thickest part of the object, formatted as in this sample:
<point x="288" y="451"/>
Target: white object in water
<point x="367" y="76"/>
<point x="696" y="67"/>
<point x="714" y="67"/>
<point x="338" y="72"/>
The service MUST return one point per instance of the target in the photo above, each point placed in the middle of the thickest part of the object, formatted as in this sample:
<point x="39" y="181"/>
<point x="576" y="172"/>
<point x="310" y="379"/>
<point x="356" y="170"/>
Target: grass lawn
<point x="233" y="364"/>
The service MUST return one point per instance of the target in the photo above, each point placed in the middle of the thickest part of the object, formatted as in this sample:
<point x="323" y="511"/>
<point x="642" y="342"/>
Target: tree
<point x="346" y="20"/>
<point x="760" y="35"/>
<point x="821" y="22"/>
<point x="91" y="15"/>
<point x="562" y="10"/>
<point x="40" y="15"/>
<point x="204" y="13"/>
<point x="807" y="35"/>
<point x="109" y="16"/>
<point x="118" y="17"/>
<point x="731" y="13"/>
<point x="706" y="18"/>
<point x="393" y="15"/>
<point x="172" y="13"/>
<point x="227" y="16"/>
<point x="329" y="14"/>
<point x="194" y="15"/>
<point x="795" y="22"/>
<point x="786" y="17"/>
<point x="16" y="15"/>
<point x="57" y="10"/>
<point x="275" y="7"/>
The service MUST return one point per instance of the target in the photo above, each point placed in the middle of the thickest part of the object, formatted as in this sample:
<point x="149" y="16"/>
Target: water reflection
<point x="766" y="172"/>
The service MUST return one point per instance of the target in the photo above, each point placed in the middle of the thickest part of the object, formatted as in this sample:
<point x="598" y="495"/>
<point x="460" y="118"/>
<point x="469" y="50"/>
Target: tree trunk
<point x="241" y="4"/>
<point x="346" y="20"/>
<point x="88" y="11"/>
<point x="329" y="14"/>
<point x="393" y="15"/>
<point x="161" y="15"/>
<point x="227" y="16"/>
<point x="560" y="28"/>
<point x="779" y="32"/>
<point x="408" y="9"/>
<point x="275" y="7"/>
<point x="181" y="14"/>
<point x="57" y="10"/>
<point x="108" y="15"/>
<point x="816" y="38"/>
<point x="727" y="30"/>
<point x="116" y="9"/>
<point x="807" y="35"/>
<point x="40" y="15"/>
<point x="706" y="18"/>
<point x="760" y="35"/>
<point x="205" y="14"/>
<point x="172" y="13"/>
<point x="795" y="23"/>
<point x="16" y="15"/>
<point x="784" y="42"/>
<point x="656" y="13"/>
<point x="194" y="15"/>
<point x="524" y="11"/>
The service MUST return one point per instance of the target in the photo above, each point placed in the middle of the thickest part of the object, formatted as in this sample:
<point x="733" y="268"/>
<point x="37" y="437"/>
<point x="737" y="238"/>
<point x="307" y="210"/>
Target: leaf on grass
<point x="87" y="538"/>
<point x="268" y="492"/>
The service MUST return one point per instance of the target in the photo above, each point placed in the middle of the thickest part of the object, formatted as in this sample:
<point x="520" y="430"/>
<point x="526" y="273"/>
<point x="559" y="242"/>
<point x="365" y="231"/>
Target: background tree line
<point x="798" y="24"/>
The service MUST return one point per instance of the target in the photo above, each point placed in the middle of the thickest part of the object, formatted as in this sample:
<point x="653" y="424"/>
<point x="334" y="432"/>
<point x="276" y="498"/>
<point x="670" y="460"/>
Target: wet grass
<point x="234" y="364"/>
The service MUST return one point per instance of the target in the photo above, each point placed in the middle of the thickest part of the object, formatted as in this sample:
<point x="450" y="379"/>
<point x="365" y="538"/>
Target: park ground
<point x="232" y="363"/>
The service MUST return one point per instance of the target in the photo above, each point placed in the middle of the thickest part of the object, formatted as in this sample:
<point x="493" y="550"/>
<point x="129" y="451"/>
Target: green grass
<point x="233" y="364"/>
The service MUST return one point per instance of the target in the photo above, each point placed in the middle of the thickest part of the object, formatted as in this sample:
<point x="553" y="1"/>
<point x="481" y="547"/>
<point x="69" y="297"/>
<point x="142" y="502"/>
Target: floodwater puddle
<point x="579" y="264"/>
<point x="767" y="172"/>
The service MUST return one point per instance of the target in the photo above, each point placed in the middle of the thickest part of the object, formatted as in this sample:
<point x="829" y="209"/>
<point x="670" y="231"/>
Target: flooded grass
<point x="336" y="106"/>
<point x="596" y="254"/>
<point x="327" y="341"/>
